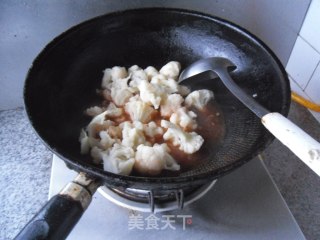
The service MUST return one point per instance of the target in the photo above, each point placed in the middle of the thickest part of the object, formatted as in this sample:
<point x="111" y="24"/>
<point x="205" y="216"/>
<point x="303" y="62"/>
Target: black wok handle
<point x="61" y="213"/>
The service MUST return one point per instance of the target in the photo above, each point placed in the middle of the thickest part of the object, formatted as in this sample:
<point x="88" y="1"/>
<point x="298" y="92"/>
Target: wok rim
<point x="124" y="180"/>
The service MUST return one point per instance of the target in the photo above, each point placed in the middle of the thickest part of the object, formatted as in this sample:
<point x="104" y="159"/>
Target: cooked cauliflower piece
<point x="144" y="95"/>
<point x="94" y="111"/>
<point x="169" y="85"/>
<point x="106" y="79"/>
<point x="113" y="111"/>
<point x="171" y="70"/>
<point x="151" y="72"/>
<point x="199" y="98"/>
<point x="152" y="160"/>
<point x="171" y="104"/>
<point x="150" y="93"/>
<point x="99" y="120"/>
<point x="188" y="142"/>
<point x="138" y="110"/>
<point x="106" y="141"/>
<point x="132" y="134"/>
<point x="152" y="129"/>
<point x="120" y="92"/>
<point x="119" y="159"/>
<point x="118" y="73"/>
<point x="184" y="118"/>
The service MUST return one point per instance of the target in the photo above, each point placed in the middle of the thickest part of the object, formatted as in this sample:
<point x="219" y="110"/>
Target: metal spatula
<point x="299" y="142"/>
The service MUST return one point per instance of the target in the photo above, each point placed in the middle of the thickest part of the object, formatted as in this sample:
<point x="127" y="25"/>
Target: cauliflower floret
<point x="132" y="134"/>
<point x="169" y="85"/>
<point x="199" y="98"/>
<point x="151" y="129"/>
<point x="84" y="142"/>
<point x="115" y="132"/>
<point x="99" y="122"/>
<point x="96" y="154"/>
<point x="188" y="142"/>
<point x="113" y="111"/>
<point x="151" y="72"/>
<point x="138" y="110"/>
<point x="111" y="75"/>
<point x="171" y="104"/>
<point x="94" y="111"/>
<point x="150" y="93"/>
<point x="118" y="73"/>
<point x="152" y="160"/>
<point x="171" y="70"/>
<point x="120" y="92"/>
<point x="106" y="79"/>
<point x="119" y="159"/>
<point x="106" y="141"/>
<point x="184" y="118"/>
<point x="137" y="75"/>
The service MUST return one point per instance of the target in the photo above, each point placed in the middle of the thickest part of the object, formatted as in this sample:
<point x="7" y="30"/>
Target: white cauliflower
<point x="106" y="79"/>
<point x="99" y="122"/>
<point x="150" y="93"/>
<point x="96" y="154"/>
<point x="188" y="142"/>
<point x="106" y="141"/>
<point x="120" y="92"/>
<point x="113" y="111"/>
<point x="199" y="98"/>
<point x="136" y="76"/>
<point x="111" y="75"/>
<point x="94" y="111"/>
<point x="119" y="159"/>
<point x="132" y="134"/>
<point x="152" y="129"/>
<point x="118" y="73"/>
<point x="151" y="72"/>
<point x="171" y="70"/>
<point x="184" y="118"/>
<point x="169" y="85"/>
<point x="152" y="160"/>
<point x="171" y="104"/>
<point x="84" y="142"/>
<point x="138" y="110"/>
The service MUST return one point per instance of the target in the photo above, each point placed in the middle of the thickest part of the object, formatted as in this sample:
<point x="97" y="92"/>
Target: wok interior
<point x="63" y="80"/>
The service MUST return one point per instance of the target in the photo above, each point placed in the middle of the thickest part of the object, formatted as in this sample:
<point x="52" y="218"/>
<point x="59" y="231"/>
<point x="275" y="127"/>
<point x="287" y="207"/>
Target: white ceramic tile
<point x="313" y="87"/>
<point x="310" y="30"/>
<point x="302" y="62"/>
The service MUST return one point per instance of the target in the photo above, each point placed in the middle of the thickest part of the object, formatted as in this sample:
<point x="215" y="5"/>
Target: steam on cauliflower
<point x="152" y="160"/>
<point x="199" y="98"/>
<point x="188" y="142"/>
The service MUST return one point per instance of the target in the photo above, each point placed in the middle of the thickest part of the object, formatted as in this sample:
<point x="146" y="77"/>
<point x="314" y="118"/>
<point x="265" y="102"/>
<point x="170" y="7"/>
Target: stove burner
<point x="154" y="201"/>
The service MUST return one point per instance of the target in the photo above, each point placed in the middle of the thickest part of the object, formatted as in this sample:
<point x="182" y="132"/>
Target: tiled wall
<point x="304" y="63"/>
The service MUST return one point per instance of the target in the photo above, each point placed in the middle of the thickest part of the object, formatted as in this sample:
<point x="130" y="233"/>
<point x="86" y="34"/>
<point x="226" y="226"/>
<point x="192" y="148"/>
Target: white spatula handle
<point x="299" y="142"/>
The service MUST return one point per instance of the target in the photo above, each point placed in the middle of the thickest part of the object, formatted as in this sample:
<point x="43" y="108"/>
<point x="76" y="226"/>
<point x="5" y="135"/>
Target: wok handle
<point x="60" y="214"/>
<point x="298" y="141"/>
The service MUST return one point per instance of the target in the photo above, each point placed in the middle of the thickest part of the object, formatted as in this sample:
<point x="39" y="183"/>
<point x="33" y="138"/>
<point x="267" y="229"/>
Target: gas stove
<point x="244" y="204"/>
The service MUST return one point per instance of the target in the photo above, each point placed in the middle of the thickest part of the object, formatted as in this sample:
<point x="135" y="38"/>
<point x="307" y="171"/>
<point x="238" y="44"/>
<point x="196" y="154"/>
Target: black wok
<point x="63" y="79"/>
